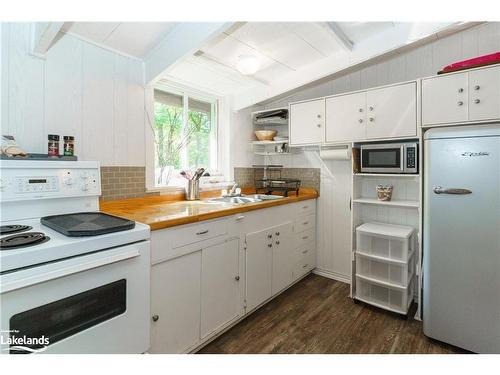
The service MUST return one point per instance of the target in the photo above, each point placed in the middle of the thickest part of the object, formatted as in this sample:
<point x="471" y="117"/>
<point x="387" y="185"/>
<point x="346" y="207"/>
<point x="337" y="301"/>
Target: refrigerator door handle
<point x="456" y="191"/>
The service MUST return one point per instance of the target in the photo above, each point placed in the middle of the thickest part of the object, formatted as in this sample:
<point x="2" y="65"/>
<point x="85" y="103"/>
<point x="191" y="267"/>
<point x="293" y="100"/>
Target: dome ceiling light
<point x="247" y="64"/>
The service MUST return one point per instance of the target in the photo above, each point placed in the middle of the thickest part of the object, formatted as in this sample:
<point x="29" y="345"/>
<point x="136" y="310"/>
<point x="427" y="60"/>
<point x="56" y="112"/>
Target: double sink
<point x="244" y="199"/>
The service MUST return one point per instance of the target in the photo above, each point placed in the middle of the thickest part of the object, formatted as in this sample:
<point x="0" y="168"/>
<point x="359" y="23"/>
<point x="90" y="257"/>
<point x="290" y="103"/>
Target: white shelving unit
<point x="385" y="281"/>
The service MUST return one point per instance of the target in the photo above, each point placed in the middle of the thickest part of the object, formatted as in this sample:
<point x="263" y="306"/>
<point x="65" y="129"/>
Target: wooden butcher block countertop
<point x="163" y="211"/>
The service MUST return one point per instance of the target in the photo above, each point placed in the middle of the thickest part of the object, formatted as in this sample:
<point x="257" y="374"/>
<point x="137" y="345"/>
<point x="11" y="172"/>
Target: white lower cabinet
<point x="175" y="304"/>
<point x="206" y="276"/>
<point x="259" y="267"/>
<point x="220" y="285"/>
<point x="283" y="257"/>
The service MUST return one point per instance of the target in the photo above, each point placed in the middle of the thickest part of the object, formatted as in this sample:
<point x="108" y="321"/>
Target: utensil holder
<point x="193" y="190"/>
<point x="384" y="193"/>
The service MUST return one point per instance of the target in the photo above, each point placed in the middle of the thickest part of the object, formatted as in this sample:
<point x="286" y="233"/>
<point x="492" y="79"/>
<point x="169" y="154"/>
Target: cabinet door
<point x="484" y="94"/>
<point x="283" y="256"/>
<point x="307" y="122"/>
<point x="220" y="286"/>
<point x="392" y="111"/>
<point x="259" y="267"/>
<point x="345" y="117"/>
<point x="175" y="304"/>
<point x="445" y="99"/>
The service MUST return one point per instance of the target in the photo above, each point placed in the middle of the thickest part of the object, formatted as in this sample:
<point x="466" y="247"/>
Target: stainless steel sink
<point x="253" y="198"/>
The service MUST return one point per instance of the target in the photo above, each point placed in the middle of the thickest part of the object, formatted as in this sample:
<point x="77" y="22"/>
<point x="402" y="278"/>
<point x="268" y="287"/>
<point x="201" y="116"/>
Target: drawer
<point x="165" y="241"/>
<point x="305" y="264"/>
<point x="306" y="207"/>
<point x="305" y="222"/>
<point x="306" y="238"/>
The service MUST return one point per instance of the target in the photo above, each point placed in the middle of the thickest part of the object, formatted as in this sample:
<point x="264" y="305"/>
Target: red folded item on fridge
<point x="492" y="58"/>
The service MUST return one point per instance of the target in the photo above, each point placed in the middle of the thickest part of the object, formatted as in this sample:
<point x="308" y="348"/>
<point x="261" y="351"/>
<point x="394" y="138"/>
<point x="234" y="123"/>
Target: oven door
<point x="95" y="303"/>
<point x="382" y="158"/>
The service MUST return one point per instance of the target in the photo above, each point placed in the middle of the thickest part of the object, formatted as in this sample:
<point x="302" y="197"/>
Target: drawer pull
<point x="239" y="218"/>
<point x="305" y="265"/>
<point x="305" y="207"/>
<point x="305" y="251"/>
<point x="202" y="232"/>
<point x="306" y="222"/>
<point x="305" y="237"/>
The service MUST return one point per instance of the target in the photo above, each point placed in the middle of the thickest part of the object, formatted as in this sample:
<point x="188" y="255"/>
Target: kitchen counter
<point x="163" y="211"/>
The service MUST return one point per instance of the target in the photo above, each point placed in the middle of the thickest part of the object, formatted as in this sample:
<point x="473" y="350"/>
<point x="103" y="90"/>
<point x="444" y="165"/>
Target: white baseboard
<point x="333" y="275"/>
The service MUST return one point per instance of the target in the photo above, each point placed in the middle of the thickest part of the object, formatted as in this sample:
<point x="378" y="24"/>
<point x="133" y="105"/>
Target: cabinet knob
<point x="460" y="90"/>
<point x="269" y="236"/>
<point x="371" y="108"/>
<point x="318" y="125"/>
<point x="277" y="242"/>
<point x="155" y="318"/>
<point x="477" y="101"/>
<point x="477" y="87"/>
<point x="237" y="278"/>
<point x="318" y="116"/>
<point x="269" y="245"/>
<point x="360" y="120"/>
<point x="277" y="233"/>
<point x="360" y="110"/>
<point x="372" y="119"/>
<point x="460" y="103"/>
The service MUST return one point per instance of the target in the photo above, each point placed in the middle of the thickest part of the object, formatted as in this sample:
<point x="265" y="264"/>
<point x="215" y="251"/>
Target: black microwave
<point x="389" y="158"/>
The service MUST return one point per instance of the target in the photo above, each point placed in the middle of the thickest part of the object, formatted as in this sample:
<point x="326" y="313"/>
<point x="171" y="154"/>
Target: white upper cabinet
<point x="386" y="112"/>
<point x="392" y="111"/>
<point x="345" y="117"/>
<point x="445" y="99"/>
<point x="220" y="286"/>
<point x="484" y="94"/>
<point x="307" y="122"/>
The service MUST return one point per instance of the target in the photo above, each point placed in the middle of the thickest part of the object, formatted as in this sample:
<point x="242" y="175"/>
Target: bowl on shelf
<point x="265" y="135"/>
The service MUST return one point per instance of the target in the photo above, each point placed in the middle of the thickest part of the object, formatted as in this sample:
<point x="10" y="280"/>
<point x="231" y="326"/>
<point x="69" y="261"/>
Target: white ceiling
<point x="281" y="47"/>
<point x="132" y="38"/>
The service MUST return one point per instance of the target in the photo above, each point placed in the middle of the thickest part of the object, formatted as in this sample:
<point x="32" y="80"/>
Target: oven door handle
<point x="41" y="274"/>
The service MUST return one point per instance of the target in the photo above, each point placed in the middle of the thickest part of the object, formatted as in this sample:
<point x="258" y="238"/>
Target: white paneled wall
<point x="79" y="89"/>
<point x="420" y="62"/>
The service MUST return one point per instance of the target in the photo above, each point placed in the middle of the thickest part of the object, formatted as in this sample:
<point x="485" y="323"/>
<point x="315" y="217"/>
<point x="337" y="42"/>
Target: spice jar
<point x="53" y="145"/>
<point x="69" y="145"/>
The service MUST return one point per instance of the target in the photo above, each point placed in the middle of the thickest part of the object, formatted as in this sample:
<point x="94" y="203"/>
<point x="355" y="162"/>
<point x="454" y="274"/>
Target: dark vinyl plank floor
<point x="317" y="316"/>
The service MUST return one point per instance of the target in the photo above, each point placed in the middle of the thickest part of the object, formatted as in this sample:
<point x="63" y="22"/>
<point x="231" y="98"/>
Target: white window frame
<point x="219" y="116"/>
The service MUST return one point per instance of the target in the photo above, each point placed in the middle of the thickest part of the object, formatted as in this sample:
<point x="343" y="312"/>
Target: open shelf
<point x="386" y="175"/>
<point x="263" y="153"/>
<point x="393" y="203"/>
<point x="269" y="142"/>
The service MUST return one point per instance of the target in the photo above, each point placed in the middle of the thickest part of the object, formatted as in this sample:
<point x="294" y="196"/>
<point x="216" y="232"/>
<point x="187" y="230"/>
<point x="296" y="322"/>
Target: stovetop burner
<point x="22" y="240"/>
<point x="8" y="229"/>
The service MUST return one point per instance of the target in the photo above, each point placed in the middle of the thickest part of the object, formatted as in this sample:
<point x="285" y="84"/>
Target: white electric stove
<point x="68" y="294"/>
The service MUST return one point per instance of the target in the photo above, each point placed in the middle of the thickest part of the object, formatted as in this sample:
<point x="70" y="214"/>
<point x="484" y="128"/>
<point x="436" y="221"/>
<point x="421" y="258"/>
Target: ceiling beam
<point x="184" y="39"/>
<point x="43" y="36"/>
<point x="340" y="35"/>
<point x="382" y="45"/>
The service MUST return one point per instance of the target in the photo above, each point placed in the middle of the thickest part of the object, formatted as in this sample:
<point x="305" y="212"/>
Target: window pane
<point x="169" y="137"/>
<point x="200" y="133"/>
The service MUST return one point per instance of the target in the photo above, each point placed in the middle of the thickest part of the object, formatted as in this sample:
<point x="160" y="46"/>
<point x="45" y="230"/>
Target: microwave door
<point x="383" y="159"/>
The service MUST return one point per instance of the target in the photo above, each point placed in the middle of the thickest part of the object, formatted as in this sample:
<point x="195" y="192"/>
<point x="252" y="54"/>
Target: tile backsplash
<point x="123" y="182"/>
<point x="309" y="177"/>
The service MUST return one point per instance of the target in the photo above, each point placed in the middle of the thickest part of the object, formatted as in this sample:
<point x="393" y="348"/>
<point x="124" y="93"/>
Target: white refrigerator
<point x="461" y="237"/>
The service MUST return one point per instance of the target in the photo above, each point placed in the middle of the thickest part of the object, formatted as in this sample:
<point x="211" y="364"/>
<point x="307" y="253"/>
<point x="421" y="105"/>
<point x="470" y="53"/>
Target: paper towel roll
<point x="336" y="154"/>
